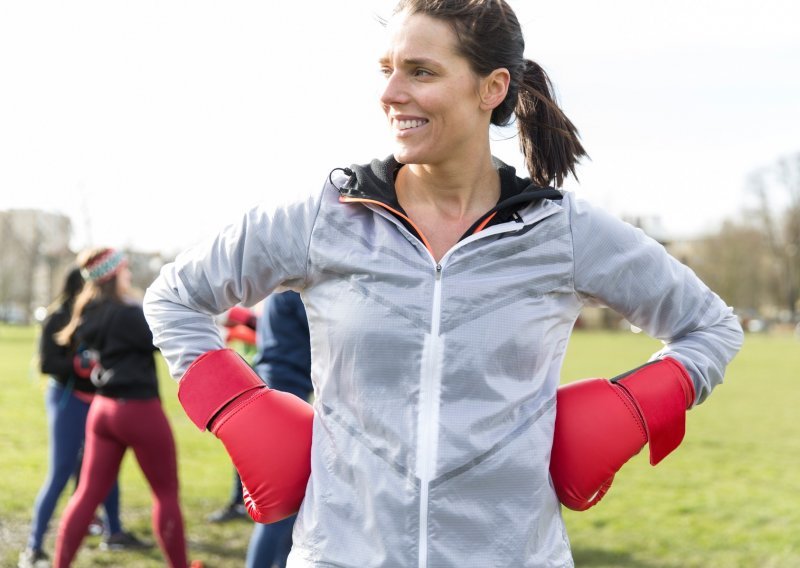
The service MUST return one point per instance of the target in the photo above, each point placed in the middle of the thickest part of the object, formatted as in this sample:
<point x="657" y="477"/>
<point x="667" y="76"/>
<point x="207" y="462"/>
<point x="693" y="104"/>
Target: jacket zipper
<point x="428" y="416"/>
<point x="431" y="368"/>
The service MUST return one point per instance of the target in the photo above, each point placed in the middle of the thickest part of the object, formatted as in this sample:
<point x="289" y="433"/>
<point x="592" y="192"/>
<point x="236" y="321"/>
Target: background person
<point x="283" y="361"/>
<point x="441" y="291"/>
<point x="67" y="402"/>
<point x="126" y="411"/>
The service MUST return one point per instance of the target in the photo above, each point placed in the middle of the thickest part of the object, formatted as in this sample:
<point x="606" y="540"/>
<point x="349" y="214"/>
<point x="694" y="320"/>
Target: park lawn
<point x="727" y="498"/>
<point x="204" y="469"/>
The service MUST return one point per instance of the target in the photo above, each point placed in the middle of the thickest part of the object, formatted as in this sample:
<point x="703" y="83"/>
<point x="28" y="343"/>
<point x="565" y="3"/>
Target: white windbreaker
<point x="435" y="383"/>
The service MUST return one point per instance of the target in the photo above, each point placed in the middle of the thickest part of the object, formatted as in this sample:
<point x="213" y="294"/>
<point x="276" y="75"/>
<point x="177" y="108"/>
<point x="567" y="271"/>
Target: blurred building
<point x="35" y="255"/>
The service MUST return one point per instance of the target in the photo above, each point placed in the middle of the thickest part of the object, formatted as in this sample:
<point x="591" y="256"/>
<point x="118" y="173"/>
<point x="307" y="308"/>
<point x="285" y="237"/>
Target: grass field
<point x="729" y="497"/>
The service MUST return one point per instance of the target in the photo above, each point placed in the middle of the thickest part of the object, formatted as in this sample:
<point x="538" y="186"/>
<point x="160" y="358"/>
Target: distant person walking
<point x="283" y="361"/>
<point x="69" y="393"/>
<point x="125" y="413"/>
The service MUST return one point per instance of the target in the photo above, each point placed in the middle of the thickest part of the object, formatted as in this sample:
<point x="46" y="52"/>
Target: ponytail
<point x="548" y="139"/>
<point x="490" y="37"/>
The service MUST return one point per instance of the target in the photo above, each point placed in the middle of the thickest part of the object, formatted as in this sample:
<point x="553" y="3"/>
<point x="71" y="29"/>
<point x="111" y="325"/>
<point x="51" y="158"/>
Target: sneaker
<point x="123" y="540"/>
<point x="229" y="513"/>
<point x="96" y="527"/>
<point x="30" y="558"/>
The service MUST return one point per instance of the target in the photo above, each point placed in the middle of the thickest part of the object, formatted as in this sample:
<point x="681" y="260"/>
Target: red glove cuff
<point x="212" y="381"/>
<point x="661" y="392"/>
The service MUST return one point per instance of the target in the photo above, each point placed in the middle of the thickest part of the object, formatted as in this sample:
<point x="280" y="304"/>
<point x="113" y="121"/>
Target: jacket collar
<point x="375" y="183"/>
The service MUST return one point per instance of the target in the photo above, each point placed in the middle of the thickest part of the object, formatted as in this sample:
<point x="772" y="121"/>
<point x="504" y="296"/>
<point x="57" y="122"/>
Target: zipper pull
<point x="438" y="271"/>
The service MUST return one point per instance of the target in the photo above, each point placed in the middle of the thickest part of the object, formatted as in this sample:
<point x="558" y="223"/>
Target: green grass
<point x="727" y="498"/>
<point x="204" y="469"/>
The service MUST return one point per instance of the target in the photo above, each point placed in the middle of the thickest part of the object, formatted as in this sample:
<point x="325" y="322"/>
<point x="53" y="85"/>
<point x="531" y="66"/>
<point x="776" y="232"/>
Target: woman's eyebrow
<point x="411" y="61"/>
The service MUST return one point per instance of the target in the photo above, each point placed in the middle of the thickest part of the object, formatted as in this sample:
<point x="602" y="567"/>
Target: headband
<point x="104" y="266"/>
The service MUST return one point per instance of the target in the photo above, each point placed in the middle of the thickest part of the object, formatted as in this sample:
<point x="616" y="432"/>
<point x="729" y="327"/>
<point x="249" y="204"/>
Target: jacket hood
<point x="375" y="181"/>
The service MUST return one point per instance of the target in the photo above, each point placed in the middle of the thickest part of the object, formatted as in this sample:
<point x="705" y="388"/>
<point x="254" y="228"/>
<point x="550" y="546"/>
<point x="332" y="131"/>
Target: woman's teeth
<point x="406" y="124"/>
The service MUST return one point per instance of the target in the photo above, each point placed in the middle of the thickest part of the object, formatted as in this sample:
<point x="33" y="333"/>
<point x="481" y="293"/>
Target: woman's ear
<point x="494" y="88"/>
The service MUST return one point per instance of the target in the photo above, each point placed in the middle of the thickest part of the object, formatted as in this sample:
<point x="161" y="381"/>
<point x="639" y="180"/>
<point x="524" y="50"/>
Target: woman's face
<point x="431" y="95"/>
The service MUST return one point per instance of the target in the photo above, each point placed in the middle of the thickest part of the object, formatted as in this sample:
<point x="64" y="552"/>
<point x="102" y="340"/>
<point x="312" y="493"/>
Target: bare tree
<point x="734" y="262"/>
<point x="777" y="189"/>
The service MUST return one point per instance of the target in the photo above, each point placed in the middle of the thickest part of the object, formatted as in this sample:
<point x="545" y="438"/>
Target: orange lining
<point x="425" y="242"/>
<point x="483" y="224"/>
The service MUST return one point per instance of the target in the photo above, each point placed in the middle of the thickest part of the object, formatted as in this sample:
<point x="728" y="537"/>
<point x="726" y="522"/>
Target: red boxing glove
<point x="241" y="333"/>
<point x="267" y="432"/>
<point x="239" y="315"/>
<point x="601" y="424"/>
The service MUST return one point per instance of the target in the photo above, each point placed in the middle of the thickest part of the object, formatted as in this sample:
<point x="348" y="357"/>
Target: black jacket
<point x="124" y="343"/>
<point x="284" y="347"/>
<point x="56" y="360"/>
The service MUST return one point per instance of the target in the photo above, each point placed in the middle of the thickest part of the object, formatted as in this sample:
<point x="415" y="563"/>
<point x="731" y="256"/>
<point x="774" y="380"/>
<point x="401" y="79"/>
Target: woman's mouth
<point x="408" y="124"/>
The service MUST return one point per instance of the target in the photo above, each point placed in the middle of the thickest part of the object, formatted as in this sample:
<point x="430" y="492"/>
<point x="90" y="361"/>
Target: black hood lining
<point x="376" y="182"/>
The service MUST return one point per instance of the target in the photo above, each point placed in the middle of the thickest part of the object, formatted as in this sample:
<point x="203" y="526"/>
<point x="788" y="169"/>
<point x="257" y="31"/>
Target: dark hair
<point x="73" y="284"/>
<point x="490" y="37"/>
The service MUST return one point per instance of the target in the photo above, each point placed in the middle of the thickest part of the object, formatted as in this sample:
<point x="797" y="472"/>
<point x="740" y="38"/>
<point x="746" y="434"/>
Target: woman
<point x="441" y="290"/>
<point x="67" y="404"/>
<point x="126" y="411"/>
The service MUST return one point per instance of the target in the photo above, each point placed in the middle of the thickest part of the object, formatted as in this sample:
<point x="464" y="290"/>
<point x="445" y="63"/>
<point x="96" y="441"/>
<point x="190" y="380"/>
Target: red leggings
<point x="111" y="428"/>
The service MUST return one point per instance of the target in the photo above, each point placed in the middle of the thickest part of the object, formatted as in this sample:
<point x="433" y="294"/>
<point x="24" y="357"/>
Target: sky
<point x="153" y="124"/>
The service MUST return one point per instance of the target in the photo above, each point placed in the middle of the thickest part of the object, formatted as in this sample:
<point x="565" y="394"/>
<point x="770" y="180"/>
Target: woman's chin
<point x="407" y="156"/>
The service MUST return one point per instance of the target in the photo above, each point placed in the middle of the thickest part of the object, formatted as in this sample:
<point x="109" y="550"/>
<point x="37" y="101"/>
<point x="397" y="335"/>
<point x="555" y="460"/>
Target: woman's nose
<point x="394" y="90"/>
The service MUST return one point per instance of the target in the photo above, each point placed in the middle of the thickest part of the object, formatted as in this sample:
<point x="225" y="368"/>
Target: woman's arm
<point x="628" y="271"/>
<point x="242" y="264"/>
<point x="54" y="359"/>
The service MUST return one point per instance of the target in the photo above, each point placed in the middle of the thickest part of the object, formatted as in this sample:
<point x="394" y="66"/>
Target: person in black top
<point x="67" y="402"/>
<point x="126" y="412"/>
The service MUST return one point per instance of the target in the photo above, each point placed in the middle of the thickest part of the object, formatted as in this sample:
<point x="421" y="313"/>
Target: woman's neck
<point x="455" y="191"/>
<point x="444" y="203"/>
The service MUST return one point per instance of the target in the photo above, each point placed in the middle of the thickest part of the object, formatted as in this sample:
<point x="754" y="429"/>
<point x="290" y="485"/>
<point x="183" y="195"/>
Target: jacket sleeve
<point x="628" y="271"/>
<point x="267" y="248"/>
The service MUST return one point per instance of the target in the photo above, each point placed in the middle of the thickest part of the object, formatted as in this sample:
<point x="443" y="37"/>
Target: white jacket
<point x="435" y="383"/>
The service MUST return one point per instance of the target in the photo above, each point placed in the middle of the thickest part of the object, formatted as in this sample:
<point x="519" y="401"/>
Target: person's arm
<point x="628" y="271"/>
<point x="284" y="351"/>
<point x="218" y="390"/>
<point x="54" y="359"/>
<point x="601" y="424"/>
<point x="242" y="264"/>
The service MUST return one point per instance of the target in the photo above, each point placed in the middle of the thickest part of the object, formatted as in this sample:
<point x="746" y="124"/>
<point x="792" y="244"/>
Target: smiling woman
<point x="444" y="84"/>
<point x="441" y="289"/>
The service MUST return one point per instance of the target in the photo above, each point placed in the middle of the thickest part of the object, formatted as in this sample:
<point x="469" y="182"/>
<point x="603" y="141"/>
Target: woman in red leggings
<point x="125" y="413"/>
